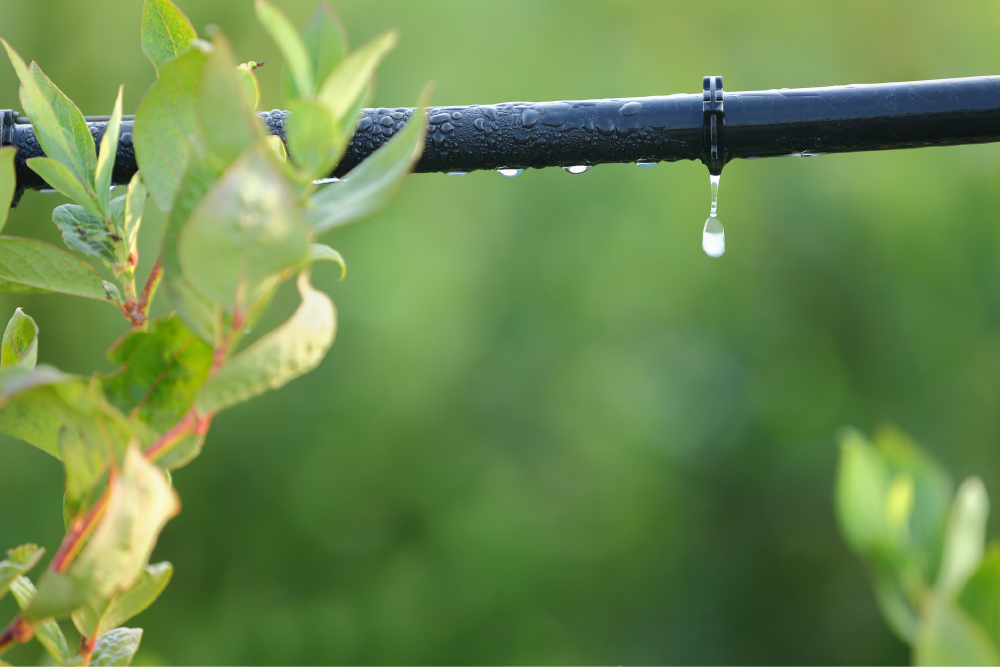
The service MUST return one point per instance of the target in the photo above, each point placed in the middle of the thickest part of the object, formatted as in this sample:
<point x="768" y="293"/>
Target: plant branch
<point x="18" y="631"/>
<point x="78" y="533"/>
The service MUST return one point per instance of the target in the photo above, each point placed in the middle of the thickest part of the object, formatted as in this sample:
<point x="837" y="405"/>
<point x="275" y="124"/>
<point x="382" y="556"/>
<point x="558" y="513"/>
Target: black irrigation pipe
<point x="713" y="127"/>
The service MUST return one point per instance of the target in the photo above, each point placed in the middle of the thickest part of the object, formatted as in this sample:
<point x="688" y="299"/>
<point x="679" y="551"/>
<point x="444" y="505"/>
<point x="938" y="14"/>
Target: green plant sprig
<point x="243" y="217"/>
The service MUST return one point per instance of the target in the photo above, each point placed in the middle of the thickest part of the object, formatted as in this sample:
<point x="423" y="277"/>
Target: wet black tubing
<point x="835" y="119"/>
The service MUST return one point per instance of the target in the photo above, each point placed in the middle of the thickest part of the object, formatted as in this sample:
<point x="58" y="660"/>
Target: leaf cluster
<point x="244" y="212"/>
<point x="935" y="581"/>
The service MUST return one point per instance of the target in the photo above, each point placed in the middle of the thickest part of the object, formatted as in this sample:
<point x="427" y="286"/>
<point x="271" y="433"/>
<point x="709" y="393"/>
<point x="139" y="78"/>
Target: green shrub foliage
<point x="935" y="581"/>
<point x="243" y="216"/>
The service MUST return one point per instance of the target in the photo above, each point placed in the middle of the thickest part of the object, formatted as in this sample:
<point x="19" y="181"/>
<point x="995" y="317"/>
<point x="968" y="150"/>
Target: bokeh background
<point x="551" y="429"/>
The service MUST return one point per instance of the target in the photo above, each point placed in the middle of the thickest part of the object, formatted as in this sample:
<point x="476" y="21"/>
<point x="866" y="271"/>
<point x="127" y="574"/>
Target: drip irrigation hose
<point x="713" y="127"/>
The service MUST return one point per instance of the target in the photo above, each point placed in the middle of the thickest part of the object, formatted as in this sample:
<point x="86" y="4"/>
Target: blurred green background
<point x="551" y="429"/>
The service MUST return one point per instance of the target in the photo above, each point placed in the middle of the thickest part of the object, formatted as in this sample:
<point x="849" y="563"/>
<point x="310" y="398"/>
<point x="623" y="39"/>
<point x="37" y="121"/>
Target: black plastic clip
<point x="7" y="119"/>
<point x="714" y="114"/>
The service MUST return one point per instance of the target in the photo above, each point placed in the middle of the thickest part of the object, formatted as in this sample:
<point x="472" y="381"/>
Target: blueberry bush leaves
<point x="243" y="217"/>
<point x="935" y="580"/>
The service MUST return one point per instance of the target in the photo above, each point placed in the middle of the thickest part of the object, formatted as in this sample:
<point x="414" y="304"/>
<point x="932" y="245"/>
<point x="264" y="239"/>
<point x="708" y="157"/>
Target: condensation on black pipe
<point x="520" y="135"/>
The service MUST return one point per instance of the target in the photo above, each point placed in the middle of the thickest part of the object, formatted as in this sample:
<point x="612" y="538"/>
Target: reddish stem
<point x="78" y="532"/>
<point x="149" y="289"/>
<point x="17" y="632"/>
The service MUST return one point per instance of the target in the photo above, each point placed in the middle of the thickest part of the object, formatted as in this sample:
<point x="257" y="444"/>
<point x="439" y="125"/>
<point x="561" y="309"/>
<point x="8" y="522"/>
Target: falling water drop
<point x="713" y="237"/>
<point x="578" y="169"/>
<point x="646" y="164"/>
<point x="510" y="173"/>
<point x="457" y="173"/>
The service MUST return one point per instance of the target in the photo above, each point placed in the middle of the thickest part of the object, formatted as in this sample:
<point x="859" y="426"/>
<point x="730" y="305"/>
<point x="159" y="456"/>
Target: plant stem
<point x="17" y="632"/>
<point x="149" y="289"/>
<point x="78" y="533"/>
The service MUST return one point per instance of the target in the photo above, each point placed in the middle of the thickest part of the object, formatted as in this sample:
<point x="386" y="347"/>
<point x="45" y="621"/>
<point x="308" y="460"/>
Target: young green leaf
<point x="60" y="178"/>
<point x="20" y="342"/>
<point x="326" y="42"/>
<point x="290" y="44"/>
<point x="964" y="537"/>
<point x="348" y="81"/>
<point x="932" y="492"/>
<point x="324" y="253"/>
<point x="82" y="231"/>
<point x="117" y="648"/>
<point x="241" y="234"/>
<point x="19" y="560"/>
<point x="862" y="479"/>
<point x="948" y="636"/>
<point x="164" y="122"/>
<point x="228" y="127"/>
<point x="135" y="201"/>
<point x="106" y="158"/>
<point x="370" y="185"/>
<point x="47" y="632"/>
<point x="101" y="616"/>
<point x="8" y="181"/>
<point x="59" y="125"/>
<point x="291" y="350"/>
<point x="161" y="370"/>
<point x="981" y="594"/>
<point x="28" y="266"/>
<point x="248" y="81"/>
<point x="166" y="32"/>
<point x="314" y="139"/>
<point x="140" y="502"/>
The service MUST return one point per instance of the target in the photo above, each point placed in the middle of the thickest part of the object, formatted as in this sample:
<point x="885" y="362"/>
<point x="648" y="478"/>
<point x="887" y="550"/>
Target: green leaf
<point x="135" y="201"/>
<point x="69" y="418"/>
<point x="291" y="350"/>
<point x="290" y="44"/>
<point x="166" y="32"/>
<point x="20" y="342"/>
<point x="8" y="181"/>
<point x="19" y="560"/>
<point x="324" y="253"/>
<point x="248" y="82"/>
<point x="243" y="233"/>
<point x="923" y="532"/>
<point x="106" y="157"/>
<point x="161" y="370"/>
<point x="228" y="126"/>
<point x="140" y="502"/>
<point x="965" y="536"/>
<point x="59" y="177"/>
<point x="28" y="407"/>
<point x="348" y="81"/>
<point x="101" y="616"/>
<point x="862" y="479"/>
<point x="59" y="125"/>
<point x="948" y="636"/>
<point x="370" y="185"/>
<point x="894" y="604"/>
<point x="315" y="141"/>
<point x="326" y="42"/>
<point x="117" y="647"/>
<point x="164" y="121"/>
<point x="194" y="309"/>
<point x="981" y="594"/>
<point x="82" y="231"/>
<point x="28" y="266"/>
<point x="47" y="632"/>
